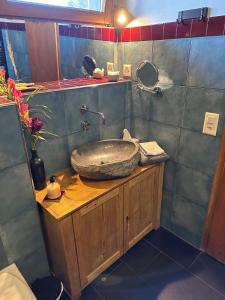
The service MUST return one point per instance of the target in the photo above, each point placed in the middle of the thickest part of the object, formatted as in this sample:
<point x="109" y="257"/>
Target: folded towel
<point x="151" y="148"/>
<point x="152" y="159"/>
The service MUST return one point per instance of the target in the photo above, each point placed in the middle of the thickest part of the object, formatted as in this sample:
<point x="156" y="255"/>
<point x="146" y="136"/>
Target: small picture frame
<point x="127" y="71"/>
<point x="110" y="67"/>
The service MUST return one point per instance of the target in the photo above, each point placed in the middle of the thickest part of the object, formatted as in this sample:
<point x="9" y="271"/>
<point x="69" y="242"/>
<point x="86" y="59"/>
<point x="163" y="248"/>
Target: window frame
<point x="57" y="14"/>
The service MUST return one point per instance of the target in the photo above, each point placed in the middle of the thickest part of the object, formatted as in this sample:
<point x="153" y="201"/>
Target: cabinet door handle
<point x="127" y="219"/>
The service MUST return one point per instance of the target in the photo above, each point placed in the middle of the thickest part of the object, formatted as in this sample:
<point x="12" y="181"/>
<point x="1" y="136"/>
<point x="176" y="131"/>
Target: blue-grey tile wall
<point x="199" y="101"/>
<point x="207" y="59"/>
<point x="187" y="219"/>
<point x="192" y="78"/>
<point x="74" y="99"/>
<point x="20" y="231"/>
<point x="54" y="153"/>
<point x="166" y="135"/>
<point x="171" y="57"/>
<point x="11" y="203"/>
<point x="30" y="268"/>
<point x="17" y="41"/>
<point x="198" y="151"/>
<point x="133" y="53"/>
<point x="11" y="146"/>
<point x="21" y="234"/>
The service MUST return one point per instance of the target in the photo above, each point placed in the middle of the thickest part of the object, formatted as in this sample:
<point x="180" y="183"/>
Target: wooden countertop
<point x="79" y="192"/>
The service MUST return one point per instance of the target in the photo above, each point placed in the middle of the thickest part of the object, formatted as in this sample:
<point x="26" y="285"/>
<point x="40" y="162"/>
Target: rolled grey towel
<point x="152" y="159"/>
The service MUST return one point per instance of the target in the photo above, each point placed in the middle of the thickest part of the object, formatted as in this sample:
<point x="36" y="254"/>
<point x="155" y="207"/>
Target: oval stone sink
<point x="106" y="159"/>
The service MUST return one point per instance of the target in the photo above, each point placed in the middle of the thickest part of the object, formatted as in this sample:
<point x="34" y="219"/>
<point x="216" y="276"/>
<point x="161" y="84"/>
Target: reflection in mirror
<point x="88" y="65"/>
<point x="76" y="41"/>
<point x="79" y="41"/>
<point x="148" y="77"/>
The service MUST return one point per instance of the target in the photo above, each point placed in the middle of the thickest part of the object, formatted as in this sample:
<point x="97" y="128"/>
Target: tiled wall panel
<point x="194" y="69"/>
<point x="20" y="232"/>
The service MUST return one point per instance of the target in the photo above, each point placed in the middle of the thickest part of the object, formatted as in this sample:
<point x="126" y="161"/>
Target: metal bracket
<point x="199" y="13"/>
<point x="155" y="90"/>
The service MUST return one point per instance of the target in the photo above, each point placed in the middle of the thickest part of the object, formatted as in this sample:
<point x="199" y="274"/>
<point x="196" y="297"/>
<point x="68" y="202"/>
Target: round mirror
<point x="147" y="74"/>
<point x="88" y="64"/>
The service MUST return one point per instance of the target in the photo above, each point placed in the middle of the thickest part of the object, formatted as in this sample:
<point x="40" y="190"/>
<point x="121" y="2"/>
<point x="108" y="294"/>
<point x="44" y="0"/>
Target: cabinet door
<point x="141" y="200"/>
<point x="98" y="231"/>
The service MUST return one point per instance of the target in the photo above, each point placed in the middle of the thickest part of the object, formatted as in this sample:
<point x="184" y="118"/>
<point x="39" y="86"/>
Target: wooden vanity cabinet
<point x="98" y="229"/>
<point x="95" y="223"/>
<point x="141" y="201"/>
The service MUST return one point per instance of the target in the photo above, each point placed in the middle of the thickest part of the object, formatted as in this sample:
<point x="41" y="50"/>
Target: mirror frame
<point x="57" y="14"/>
<point x="141" y="65"/>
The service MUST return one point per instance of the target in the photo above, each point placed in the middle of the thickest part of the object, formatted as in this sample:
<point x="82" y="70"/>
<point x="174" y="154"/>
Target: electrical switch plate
<point x="211" y="123"/>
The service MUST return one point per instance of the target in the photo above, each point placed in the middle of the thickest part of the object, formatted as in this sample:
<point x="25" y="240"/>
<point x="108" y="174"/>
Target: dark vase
<point x="37" y="171"/>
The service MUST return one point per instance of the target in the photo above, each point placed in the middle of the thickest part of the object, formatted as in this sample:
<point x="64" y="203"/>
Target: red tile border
<point x="98" y="33"/>
<point x="146" y="33"/>
<point x="157" y="31"/>
<point x="199" y="28"/>
<point x="112" y="35"/>
<point x="84" y="32"/>
<point x="126" y="35"/>
<point x="184" y="29"/>
<point x="215" y="26"/>
<point x="66" y="31"/>
<point x="135" y="34"/>
<point x="106" y="34"/>
<point x="170" y="30"/>
<point x="91" y="33"/>
<point x="76" y="31"/>
<point x="12" y="26"/>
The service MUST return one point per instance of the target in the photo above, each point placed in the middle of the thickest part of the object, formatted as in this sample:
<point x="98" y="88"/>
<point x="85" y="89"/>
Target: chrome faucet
<point x="84" y="108"/>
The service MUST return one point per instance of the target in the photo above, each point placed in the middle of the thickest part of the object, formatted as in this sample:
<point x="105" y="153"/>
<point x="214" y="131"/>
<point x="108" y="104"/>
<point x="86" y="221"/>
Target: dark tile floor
<point x="162" y="267"/>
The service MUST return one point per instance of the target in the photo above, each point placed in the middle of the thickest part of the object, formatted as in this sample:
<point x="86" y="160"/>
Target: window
<point x="95" y="5"/>
<point x="97" y="12"/>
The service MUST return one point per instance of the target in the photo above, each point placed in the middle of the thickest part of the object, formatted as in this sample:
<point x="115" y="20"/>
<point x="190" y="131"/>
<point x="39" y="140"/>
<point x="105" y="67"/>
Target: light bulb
<point x="122" y="19"/>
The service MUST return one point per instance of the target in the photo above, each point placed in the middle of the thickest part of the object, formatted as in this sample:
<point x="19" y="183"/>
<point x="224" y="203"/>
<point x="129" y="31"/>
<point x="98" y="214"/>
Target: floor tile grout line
<point x="195" y="259"/>
<point x="207" y="284"/>
<point x="176" y="262"/>
<point x="130" y="267"/>
<point x="187" y="270"/>
<point x="136" y="273"/>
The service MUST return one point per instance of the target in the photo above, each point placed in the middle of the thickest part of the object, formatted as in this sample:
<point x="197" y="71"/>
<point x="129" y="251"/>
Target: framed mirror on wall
<point x="74" y="42"/>
<point x="45" y="47"/>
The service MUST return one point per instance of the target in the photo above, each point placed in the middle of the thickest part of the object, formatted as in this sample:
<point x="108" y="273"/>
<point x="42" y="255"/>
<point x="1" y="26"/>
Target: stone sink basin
<point x="106" y="159"/>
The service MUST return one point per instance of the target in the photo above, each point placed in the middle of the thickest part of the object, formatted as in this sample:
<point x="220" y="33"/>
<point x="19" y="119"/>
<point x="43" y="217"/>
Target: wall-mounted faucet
<point x="84" y="108"/>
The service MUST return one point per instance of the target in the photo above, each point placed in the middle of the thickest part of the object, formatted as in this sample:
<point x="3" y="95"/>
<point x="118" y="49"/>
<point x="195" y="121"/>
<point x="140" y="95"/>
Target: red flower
<point x="17" y="95"/>
<point x="11" y="83"/>
<point x="36" y="125"/>
<point x="24" y="108"/>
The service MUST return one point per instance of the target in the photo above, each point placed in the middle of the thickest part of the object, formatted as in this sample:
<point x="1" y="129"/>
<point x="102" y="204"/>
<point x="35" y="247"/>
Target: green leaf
<point x="39" y="137"/>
